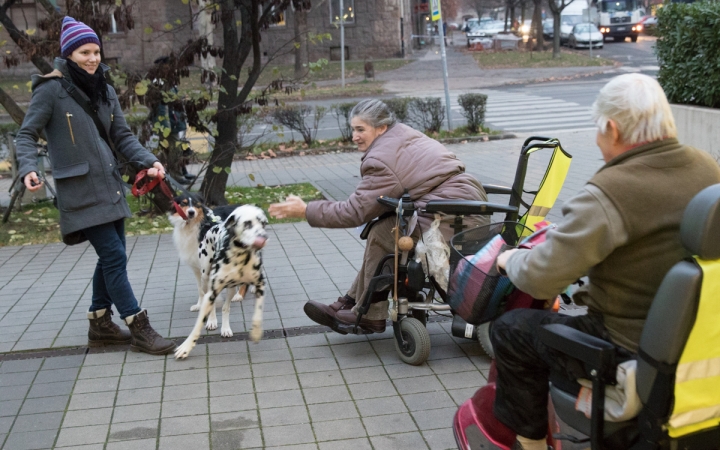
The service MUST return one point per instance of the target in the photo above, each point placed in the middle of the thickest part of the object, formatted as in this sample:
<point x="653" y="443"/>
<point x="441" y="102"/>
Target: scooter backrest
<point x="700" y="228"/>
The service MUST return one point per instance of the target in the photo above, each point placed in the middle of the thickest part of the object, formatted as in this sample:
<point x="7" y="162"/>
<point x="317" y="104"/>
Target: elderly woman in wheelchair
<point x="396" y="159"/>
<point x="622" y="230"/>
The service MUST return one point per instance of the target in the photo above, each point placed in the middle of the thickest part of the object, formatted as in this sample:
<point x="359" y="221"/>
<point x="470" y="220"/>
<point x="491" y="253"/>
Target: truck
<point x="618" y="19"/>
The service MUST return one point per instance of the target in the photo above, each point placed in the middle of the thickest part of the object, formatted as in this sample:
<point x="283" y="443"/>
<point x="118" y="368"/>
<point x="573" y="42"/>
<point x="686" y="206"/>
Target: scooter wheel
<point x="483" y="334"/>
<point x="417" y="337"/>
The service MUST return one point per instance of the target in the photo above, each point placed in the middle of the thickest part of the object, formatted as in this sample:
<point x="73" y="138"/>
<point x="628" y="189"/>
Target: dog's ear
<point x="230" y="221"/>
<point x="199" y="197"/>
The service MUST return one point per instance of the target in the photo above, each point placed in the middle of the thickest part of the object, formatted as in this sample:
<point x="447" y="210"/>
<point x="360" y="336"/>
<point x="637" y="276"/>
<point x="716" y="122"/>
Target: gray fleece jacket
<point x="89" y="185"/>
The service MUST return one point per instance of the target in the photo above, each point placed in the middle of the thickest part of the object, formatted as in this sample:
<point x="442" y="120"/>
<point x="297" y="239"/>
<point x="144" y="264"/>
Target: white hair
<point x="374" y="112"/>
<point x="638" y="106"/>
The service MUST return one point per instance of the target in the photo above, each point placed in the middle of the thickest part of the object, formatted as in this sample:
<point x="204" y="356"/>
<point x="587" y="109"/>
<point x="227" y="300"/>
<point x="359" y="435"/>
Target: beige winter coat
<point x="402" y="158"/>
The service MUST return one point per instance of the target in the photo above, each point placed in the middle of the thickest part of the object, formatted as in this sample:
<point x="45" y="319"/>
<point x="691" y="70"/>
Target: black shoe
<point x="103" y="331"/>
<point x="144" y="338"/>
<point x="322" y="314"/>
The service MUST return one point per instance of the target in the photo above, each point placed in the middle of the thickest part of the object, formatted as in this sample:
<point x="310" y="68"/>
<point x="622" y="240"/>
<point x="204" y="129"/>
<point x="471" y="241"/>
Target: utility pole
<point x="342" y="43"/>
<point x="437" y="16"/>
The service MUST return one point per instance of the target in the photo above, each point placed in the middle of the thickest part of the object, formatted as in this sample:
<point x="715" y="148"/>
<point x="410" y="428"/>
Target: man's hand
<point x="502" y="259"/>
<point x="157" y="170"/>
<point x="292" y="208"/>
<point x="32" y="182"/>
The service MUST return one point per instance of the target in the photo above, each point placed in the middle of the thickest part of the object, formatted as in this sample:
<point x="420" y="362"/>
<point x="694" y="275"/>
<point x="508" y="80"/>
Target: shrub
<point x="427" y="113"/>
<point x="342" y="114"/>
<point x="688" y="50"/>
<point x="473" y="106"/>
<point x="399" y="107"/>
<point x="293" y="117"/>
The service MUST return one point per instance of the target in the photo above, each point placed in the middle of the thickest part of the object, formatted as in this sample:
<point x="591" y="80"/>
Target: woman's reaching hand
<point x="292" y="208"/>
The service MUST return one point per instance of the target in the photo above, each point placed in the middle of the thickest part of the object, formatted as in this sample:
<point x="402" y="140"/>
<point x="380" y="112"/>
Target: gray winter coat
<point x="89" y="185"/>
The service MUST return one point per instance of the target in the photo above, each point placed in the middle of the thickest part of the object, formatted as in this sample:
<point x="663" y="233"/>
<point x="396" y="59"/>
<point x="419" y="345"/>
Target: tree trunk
<point x="301" y="44"/>
<point x="16" y="113"/>
<point x="17" y="37"/>
<point x="537" y="25"/>
<point x="556" y="34"/>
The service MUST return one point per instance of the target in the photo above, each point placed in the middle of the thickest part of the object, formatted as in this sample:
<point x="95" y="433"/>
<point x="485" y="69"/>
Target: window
<point x="24" y="15"/>
<point x="117" y="22"/>
<point x="348" y="13"/>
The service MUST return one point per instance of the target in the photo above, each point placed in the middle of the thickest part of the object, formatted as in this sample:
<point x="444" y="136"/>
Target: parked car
<point x="548" y="29"/>
<point x="584" y="33"/>
<point x="648" y="20"/>
<point x="484" y="31"/>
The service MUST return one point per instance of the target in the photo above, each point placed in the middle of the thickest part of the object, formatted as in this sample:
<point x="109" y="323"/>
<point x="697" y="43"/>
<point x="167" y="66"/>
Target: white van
<point x="571" y="16"/>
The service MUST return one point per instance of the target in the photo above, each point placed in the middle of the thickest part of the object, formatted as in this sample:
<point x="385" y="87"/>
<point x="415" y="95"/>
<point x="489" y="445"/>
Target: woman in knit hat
<point x="89" y="186"/>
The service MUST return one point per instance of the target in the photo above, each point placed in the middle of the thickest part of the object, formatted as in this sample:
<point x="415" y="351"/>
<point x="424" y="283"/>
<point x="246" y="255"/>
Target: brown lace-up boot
<point x="103" y="331"/>
<point x="144" y="338"/>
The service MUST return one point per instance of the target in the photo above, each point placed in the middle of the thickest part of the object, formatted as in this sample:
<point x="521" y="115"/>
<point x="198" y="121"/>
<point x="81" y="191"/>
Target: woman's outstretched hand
<point x="292" y="208"/>
<point x="157" y="170"/>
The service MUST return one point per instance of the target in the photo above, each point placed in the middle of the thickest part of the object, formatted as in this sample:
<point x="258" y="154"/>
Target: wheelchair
<point x="414" y="293"/>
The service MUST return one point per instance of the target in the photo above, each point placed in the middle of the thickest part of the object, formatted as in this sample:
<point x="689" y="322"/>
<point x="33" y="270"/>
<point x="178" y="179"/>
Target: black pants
<point x="524" y="366"/>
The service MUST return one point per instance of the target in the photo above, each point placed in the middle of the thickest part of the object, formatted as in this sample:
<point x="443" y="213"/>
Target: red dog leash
<point x="138" y="190"/>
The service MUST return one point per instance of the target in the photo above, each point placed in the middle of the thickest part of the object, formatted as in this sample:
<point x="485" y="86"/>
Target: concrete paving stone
<point x="140" y="381"/>
<point x="231" y="387"/>
<point x="246" y="438"/>
<point x="180" y="408"/>
<point x="279" y="399"/>
<point x="315" y="365"/>
<point x="425" y="383"/>
<point x="132" y="431"/>
<point x="453" y="365"/>
<point x="13" y="392"/>
<point x="227" y="347"/>
<point x="471" y="379"/>
<point x="460" y="395"/>
<point x="83" y="417"/>
<point x="267" y="344"/>
<point x="322" y="412"/>
<point x="365" y="374"/>
<point x="291" y="415"/>
<point x="185" y="377"/>
<point x="137" y="357"/>
<point x="482" y="362"/>
<point x="320" y="379"/>
<point x="185" y="392"/>
<point x="440" y="439"/>
<point x="100" y="371"/>
<point x="88" y="401"/>
<point x="434" y="418"/>
<point x="145" y="367"/>
<point x="138" y="396"/>
<point x="428" y="400"/>
<point x="400" y="441"/>
<point x="86" y="447"/>
<point x="185" y="442"/>
<point x="41" y="335"/>
<point x="389" y="424"/>
<point x="33" y="422"/>
<point x="234" y="420"/>
<point x="288" y="434"/>
<point x="76" y="341"/>
<point x="337" y="338"/>
<point x="279" y="383"/>
<point x="445" y="352"/>
<point x="374" y="389"/>
<point x="380" y="406"/>
<point x="346" y="444"/>
<point x="82" y="435"/>
<point x="185" y="425"/>
<point x="15" y="378"/>
<point x="339" y="429"/>
<point x="301" y="353"/>
<point x="136" y="444"/>
<point x="63" y="362"/>
<point x="268" y="356"/>
<point x="86" y="386"/>
<point x="272" y="369"/>
<point x="31" y="440"/>
<point x="367" y="360"/>
<point x="10" y="407"/>
<point x="326" y="394"/>
<point x="311" y="446"/>
<point x="229" y="372"/>
<point x="401" y="370"/>
<point x="7" y="422"/>
<point x="132" y="413"/>
<point x="44" y="404"/>
<point x="24" y="365"/>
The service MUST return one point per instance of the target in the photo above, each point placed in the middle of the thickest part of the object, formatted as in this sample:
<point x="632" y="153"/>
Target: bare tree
<point x="537" y="25"/>
<point x="300" y="10"/>
<point x="556" y="7"/>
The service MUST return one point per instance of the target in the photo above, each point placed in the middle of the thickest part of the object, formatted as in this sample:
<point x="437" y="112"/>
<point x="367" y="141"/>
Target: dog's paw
<point x="184" y="350"/>
<point x="237" y="298"/>
<point x="195" y="308"/>
<point x="211" y="323"/>
<point x="226" y="332"/>
<point x="256" y="332"/>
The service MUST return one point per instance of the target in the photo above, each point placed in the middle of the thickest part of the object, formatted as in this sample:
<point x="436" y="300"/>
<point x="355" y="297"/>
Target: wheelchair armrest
<point x="594" y="352"/>
<point x="467" y="207"/>
<point x="497" y="189"/>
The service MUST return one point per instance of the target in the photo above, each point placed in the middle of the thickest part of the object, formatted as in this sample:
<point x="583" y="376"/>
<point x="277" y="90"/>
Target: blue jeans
<point x="110" y="281"/>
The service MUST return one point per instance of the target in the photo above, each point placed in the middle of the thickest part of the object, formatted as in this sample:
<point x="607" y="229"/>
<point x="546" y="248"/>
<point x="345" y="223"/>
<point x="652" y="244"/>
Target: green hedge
<point x="688" y="50"/>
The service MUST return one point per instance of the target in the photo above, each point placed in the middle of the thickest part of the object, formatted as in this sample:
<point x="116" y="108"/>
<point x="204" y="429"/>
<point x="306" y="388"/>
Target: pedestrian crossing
<point x="521" y="112"/>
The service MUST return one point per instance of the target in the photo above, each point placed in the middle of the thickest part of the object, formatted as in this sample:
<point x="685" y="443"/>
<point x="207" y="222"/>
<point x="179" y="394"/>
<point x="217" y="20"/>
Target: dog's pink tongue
<point x="259" y="242"/>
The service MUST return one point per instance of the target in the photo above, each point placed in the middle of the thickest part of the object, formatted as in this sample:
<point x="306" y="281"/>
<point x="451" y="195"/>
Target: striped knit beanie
<point x="75" y="34"/>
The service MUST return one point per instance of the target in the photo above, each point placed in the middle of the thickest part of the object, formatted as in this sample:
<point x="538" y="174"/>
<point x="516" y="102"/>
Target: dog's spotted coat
<point x="230" y="256"/>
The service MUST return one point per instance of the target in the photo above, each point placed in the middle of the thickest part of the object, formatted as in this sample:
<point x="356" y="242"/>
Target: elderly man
<point x="621" y="230"/>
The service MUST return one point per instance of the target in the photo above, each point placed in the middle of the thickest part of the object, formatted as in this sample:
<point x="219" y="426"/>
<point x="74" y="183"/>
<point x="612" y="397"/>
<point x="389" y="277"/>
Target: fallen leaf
<point x="272" y="154"/>
<point x="28" y="212"/>
<point x="302" y="153"/>
<point x="464" y="142"/>
<point x="281" y="147"/>
<point x="250" y="158"/>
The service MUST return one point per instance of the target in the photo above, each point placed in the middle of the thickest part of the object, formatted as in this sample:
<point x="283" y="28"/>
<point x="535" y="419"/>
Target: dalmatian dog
<point x="230" y="256"/>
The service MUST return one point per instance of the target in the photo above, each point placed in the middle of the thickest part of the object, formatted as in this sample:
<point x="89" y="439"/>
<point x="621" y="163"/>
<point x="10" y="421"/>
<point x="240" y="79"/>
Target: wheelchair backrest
<point x="680" y="345"/>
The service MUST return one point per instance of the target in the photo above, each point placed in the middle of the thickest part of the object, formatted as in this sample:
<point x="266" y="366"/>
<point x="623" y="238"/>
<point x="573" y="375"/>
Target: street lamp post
<point x="342" y="43"/>
<point x="443" y="56"/>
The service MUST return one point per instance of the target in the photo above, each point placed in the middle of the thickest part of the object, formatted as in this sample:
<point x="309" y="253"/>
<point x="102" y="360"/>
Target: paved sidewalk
<point x="290" y="391"/>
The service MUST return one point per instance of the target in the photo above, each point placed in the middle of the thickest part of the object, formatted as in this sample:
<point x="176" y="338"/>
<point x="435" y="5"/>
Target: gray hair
<point x="374" y="112"/>
<point x="638" y="106"/>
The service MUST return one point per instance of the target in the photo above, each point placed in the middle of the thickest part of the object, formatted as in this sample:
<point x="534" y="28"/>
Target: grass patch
<point x="535" y="60"/>
<point x="38" y="223"/>
<point x="314" y="92"/>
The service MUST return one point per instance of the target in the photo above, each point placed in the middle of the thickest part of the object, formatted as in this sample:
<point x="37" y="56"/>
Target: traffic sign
<point x="435" y="8"/>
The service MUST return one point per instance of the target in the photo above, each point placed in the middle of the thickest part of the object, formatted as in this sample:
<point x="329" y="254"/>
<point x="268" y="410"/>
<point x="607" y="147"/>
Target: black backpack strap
<point x="85" y="105"/>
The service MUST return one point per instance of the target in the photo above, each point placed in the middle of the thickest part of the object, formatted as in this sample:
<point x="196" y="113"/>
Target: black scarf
<point x="94" y="86"/>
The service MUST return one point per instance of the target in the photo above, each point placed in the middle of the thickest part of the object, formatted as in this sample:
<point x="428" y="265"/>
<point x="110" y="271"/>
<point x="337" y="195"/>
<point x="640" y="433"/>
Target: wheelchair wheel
<point x="418" y="342"/>
<point x="421" y="315"/>
<point x="483" y="334"/>
<point x="13" y="199"/>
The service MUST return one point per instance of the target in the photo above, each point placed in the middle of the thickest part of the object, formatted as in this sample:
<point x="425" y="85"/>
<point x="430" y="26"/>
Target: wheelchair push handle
<point x="408" y="206"/>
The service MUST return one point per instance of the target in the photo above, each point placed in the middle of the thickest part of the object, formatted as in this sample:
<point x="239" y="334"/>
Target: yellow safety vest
<point x="548" y="190"/>
<point x="697" y="378"/>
